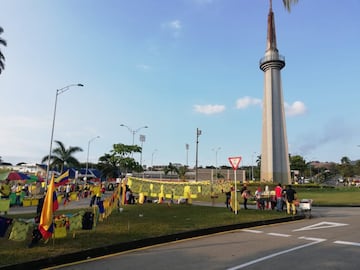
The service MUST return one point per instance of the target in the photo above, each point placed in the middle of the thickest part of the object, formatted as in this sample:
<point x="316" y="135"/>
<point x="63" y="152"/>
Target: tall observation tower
<point x="274" y="153"/>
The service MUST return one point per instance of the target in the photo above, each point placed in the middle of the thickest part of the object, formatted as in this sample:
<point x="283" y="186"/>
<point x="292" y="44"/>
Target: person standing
<point x="283" y="203"/>
<point x="95" y="191"/>
<point x="67" y="194"/>
<point x="227" y="198"/>
<point x="290" y="196"/>
<point x="5" y="190"/>
<point x="245" y="194"/>
<point x="278" y="196"/>
<point x="18" y="192"/>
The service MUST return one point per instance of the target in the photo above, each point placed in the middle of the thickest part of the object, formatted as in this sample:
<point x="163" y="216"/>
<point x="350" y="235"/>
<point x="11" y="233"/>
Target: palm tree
<point x="2" y="57"/>
<point x="288" y="3"/>
<point x="62" y="157"/>
<point x="109" y="165"/>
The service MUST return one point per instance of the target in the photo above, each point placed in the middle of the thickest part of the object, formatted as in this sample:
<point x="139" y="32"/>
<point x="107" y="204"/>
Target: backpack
<point x="88" y="221"/>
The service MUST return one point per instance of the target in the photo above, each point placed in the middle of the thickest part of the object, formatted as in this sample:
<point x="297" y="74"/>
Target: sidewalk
<point x="82" y="203"/>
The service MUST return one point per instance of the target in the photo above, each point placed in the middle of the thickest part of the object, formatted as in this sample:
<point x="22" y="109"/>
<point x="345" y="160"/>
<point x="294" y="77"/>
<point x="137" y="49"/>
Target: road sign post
<point x="235" y="161"/>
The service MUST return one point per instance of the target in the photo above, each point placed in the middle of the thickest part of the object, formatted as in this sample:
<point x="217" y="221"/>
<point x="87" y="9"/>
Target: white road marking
<point x="312" y="239"/>
<point x="321" y="225"/>
<point x="279" y="234"/>
<point x="347" y="243"/>
<point x="318" y="240"/>
<point x="252" y="231"/>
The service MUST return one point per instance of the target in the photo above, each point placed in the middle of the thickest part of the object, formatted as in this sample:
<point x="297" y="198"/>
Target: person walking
<point x="278" y="196"/>
<point x="290" y="197"/>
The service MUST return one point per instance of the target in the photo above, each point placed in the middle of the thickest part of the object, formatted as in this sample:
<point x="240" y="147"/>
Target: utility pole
<point x="198" y="133"/>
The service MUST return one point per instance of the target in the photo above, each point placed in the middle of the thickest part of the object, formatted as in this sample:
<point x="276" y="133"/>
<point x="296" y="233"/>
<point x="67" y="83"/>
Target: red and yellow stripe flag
<point x="46" y="225"/>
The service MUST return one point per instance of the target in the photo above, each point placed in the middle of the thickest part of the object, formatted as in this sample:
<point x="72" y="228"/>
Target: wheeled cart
<point x="305" y="207"/>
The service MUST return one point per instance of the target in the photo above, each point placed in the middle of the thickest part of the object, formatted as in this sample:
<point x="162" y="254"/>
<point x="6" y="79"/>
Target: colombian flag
<point x="62" y="179"/>
<point x="46" y="226"/>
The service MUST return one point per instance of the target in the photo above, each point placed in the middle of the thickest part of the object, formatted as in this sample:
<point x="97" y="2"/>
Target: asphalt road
<point x="329" y="240"/>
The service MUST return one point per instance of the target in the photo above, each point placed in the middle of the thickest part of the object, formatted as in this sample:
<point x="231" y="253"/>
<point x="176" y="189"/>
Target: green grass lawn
<point x="138" y="222"/>
<point x="332" y="197"/>
<point x="320" y="196"/>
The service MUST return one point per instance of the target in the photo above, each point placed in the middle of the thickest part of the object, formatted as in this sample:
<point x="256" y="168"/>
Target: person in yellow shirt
<point x="18" y="191"/>
<point x="5" y="190"/>
<point x="95" y="194"/>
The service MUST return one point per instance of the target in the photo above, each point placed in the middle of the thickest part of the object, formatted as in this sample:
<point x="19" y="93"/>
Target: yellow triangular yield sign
<point x="234" y="161"/>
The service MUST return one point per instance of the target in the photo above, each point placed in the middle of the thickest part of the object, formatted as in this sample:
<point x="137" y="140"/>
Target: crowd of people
<point x="277" y="199"/>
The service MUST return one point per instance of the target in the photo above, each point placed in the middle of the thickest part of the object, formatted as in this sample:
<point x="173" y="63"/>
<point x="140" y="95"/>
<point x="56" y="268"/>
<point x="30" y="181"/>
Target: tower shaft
<point x="274" y="153"/>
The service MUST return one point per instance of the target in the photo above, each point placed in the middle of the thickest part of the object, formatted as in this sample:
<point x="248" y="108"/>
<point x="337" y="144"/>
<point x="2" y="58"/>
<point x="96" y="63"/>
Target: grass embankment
<point x="321" y="196"/>
<point x="134" y="223"/>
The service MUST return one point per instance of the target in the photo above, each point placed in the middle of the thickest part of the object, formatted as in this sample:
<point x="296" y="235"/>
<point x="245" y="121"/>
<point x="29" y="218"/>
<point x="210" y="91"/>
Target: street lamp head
<point x="79" y="84"/>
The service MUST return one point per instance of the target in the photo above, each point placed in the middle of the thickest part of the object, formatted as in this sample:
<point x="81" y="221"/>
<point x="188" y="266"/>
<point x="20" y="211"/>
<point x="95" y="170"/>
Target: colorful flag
<point x="46" y="225"/>
<point x="62" y="179"/>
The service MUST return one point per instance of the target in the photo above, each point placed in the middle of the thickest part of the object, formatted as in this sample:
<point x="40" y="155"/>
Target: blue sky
<point x="175" y="66"/>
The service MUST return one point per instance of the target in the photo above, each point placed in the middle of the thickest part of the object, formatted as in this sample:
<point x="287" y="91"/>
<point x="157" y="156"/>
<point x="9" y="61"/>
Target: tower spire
<point x="271" y="34"/>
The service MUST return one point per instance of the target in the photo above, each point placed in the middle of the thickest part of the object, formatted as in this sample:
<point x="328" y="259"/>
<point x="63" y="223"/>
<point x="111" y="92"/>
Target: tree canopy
<point x="63" y="157"/>
<point x="120" y="160"/>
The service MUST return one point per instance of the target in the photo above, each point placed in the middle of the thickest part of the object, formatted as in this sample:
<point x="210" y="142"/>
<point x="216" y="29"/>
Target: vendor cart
<point x="305" y="207"/>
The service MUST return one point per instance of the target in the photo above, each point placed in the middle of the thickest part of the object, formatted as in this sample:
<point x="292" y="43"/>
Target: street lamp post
<point x="87" y="157"/>
<point x="152" y="159"/>
<point x="252" y="166"/>
<point x="187" y="154"/>
<point x="133" y="131"/>
<point x="198" y="133"/>
<point x="142" y="140"/>
<point x="216" y="160"/>
<point x="58" y="92"/>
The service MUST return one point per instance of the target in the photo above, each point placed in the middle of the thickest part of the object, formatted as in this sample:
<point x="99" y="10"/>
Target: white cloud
<point x="143" y="67"/>
<point x="294" y="109"/>
<point x="243" y="103"/>
<point x="297" y="108"/>
<point x="174" y="26"/>
<point x="209" y="109"/>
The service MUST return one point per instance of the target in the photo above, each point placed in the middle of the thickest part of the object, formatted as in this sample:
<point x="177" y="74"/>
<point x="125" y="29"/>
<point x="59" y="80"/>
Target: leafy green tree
<point x="182" y="172"/>
<point x="357" y="168"/>
<point x="297" y="162"/>
<point x="345" y="167"/>
<point x="2" y="57"/>
<point x="119" y="160"/>
<point x="258" y="161"/>
<point x="345" y="160"/>
<point x="62" y="157"/>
